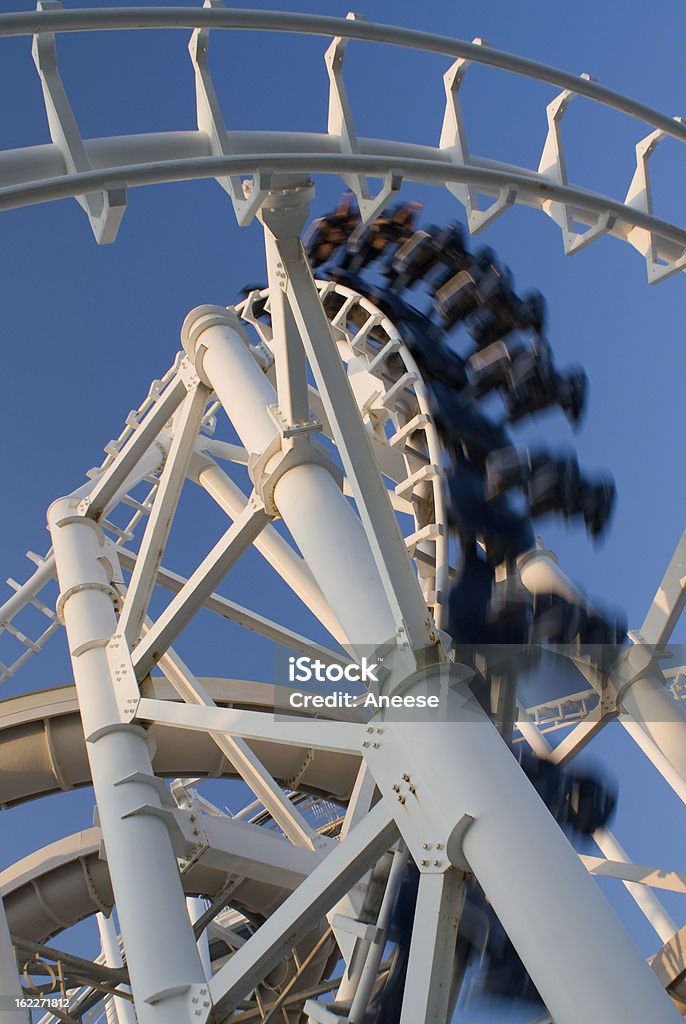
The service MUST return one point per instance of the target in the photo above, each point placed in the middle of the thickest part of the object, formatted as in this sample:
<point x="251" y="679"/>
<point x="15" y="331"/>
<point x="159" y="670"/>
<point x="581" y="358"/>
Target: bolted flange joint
<point x="267" y="468"/>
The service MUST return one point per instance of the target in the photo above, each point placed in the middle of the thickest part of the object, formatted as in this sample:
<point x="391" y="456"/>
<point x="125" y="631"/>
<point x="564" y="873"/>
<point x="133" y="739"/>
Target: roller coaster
<point x="352" y="419"/>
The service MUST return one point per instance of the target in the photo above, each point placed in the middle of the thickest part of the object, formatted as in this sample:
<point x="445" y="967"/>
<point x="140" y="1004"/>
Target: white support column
<point x="370" y="970"/>
<point x="10" y="986"/>
<point x="196" y="908"/>
<point x="459" y="767"/>
<point x="646" y="699"/>
<point x="383" y="533"/>
<point x="432" y="951"/>
<point x="648" y="702"/>
<point x="669" y="601"/>
<point x="164" y="965"/>
<point x="324" y="526"/>
<point x="289" y="355"/>
<point x="119" y="1011"/>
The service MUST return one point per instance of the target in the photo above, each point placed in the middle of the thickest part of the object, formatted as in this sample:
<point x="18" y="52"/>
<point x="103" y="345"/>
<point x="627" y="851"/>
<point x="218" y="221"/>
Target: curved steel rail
<point x="72" y="166"/>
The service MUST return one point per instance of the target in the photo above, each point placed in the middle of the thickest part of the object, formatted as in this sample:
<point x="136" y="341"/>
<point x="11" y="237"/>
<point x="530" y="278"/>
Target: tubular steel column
<point x="653" y="708"/>
<point x="119" y="1010"/>
<point x="321" y="520"/>
<point x="549" y="905"/>
<point x="10" y="986"/>
<point x="164" y="965"/>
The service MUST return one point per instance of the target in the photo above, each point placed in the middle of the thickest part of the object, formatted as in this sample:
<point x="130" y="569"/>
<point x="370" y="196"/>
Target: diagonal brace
<point x="200" y="585"/>
<point x="432" y="950"/>
<point x="285" y="814"/>
<point x="152" y="423"/>
<point x="186" y="426"/>
<point x="303" y="909"/>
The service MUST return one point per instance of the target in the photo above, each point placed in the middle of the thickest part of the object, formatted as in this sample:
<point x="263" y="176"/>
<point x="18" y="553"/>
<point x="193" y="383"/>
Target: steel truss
<point x="363" y="432"/>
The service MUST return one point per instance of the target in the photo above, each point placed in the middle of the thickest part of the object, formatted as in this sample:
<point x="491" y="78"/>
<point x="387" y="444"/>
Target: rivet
<point x="406" y="777"/>
<point x="424" y="863"/>
<point x="396" y="788"/>
<point x="439" y="846"/>
<point x="401" y="799"/>
<point x="438" y="863"/>
<point x="376" y="745"/>
<point x="365" y="743"/>
<point x="426" y="846"/>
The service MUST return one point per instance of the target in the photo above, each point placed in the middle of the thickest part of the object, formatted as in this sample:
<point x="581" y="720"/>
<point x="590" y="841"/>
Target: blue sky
<point x="87" y="328"/>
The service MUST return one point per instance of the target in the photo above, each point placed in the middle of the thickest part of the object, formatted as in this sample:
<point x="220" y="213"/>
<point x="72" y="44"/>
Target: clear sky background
<point x="86" y="328"/>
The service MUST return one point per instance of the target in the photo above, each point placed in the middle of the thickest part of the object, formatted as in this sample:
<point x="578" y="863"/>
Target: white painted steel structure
<point x="346" y="463"/>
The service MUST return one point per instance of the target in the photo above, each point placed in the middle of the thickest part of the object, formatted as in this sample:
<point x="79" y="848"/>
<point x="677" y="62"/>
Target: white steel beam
<point x="289" y="355"/>
<point x="581" y="735"/>
<point x="200" y="585"/>
<point x="248" y="765"/>
<point x="300" y="154"/>
<point x="301" y="911"/>
<point x="165" y="969"/>
<point x="381" y="526"/>
<point x="243" y="616"/>
<point x="655" y="755"/>
<point x="616" y="864"/>
<point x="445" y="774"/>
<point x="307" y="495"/>
<point x="669" y="601"/>
<point x="185" y="429"/>
<point x="121" y="1011"/>
<point x="196" y="908"/>
<point x="241" y="848"/>
<point x="360" y="799"/>
<point x="432" y="950"/>
<point x="341" y="737"/>
<point x="606" y="841"/>
<point x="107" y="485"/>
<point x="646" y="699"/>
<point x="271" y="545"/>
